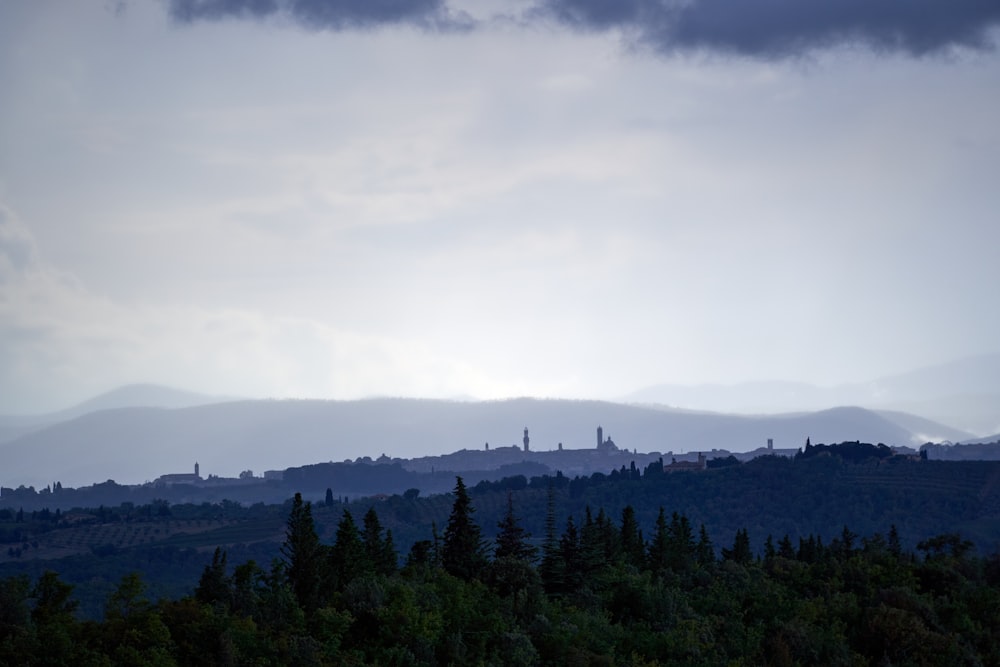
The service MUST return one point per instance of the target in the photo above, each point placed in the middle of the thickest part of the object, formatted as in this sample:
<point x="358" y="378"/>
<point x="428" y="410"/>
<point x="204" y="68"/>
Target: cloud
<point x="335" y="15"/>
<point x="61" y="342"/>
<point x="782" y="28"/>
<point x="765" y="29"/>
<point x="17" y="248"/>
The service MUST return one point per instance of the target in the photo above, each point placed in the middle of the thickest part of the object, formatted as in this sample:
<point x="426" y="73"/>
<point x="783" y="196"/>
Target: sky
<point x="492" y="198"/>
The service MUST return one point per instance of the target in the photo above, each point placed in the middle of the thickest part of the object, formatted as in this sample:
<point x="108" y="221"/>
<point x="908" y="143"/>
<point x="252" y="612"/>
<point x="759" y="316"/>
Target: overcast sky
<point x="572" y="198"/>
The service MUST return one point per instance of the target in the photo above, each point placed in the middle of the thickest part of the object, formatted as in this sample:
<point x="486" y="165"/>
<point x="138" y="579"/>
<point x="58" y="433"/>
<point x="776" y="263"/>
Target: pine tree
<point x="464" y="553"/>
<point x="347" y="554"/>
<point x="552" y="568"/>
<point x="572" y="557"/>
<point x="740" y="553"/>
<point x="633" y="547"/>
<point x="680" y="544"/>
<point x="658" y="552"/>
<point x="705" y="548"/>
<point x="512" y="539"/>
<point x="895" y="546"/>
<point x="301" y="554"/>
<point x="378" y="550"/>
<point x="785" y="549"/>
<point x="213" y="586"/>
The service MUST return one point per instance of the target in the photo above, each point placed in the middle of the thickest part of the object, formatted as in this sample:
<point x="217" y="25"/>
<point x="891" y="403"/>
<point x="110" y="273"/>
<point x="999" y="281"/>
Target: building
<point x="180" y="478"/>
<point x="680" y="466"/>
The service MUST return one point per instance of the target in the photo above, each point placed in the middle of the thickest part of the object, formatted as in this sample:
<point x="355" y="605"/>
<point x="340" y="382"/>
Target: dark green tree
<point x="705" y="549"/>
<point x="347" y="557"/>
<point x="214" y="584"/>
<point x="740" y="553"/>
<point x="552" y="568"/>
<point x="464" y="553"/>
<point x="512" y="539"/>
<point x="572" y="557"/>
<point x="379" y="550"/>
<point x="633" y="546"/>
<point x="302" y="555"/>
<point x="895" y="546"/>
<point x="658" y="553"/>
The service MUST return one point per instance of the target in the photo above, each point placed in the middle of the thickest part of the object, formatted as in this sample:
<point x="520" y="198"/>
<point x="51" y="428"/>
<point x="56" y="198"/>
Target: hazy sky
<point x="571" y="198"/>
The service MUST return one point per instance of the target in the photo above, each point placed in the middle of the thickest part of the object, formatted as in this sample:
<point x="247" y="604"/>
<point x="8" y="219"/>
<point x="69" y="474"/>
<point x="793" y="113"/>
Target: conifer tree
<point x="379" y="551"/>
<point x="301" y="555"/>
<point x="895" y="546"/>
<point x="658" y="553"/>
<point x="705" y="548"/>
<point x="572" y="556"/>
<point x="347" y="554"/>
<point x="740" y="553"/>
<point x="633" y="547"/>
<point x="464" y="553"/>
<point x="512" y="539"/>
<point x="785" y="548"/>
<point x="213" y="586"/>
<point x="552" y="567"/>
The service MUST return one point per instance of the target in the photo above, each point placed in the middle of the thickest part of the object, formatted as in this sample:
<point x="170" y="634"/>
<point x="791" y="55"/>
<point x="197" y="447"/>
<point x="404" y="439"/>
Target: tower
<point x="196" y="469"/>
<point x="525" y="438"/>
<point x="600" y="437"/>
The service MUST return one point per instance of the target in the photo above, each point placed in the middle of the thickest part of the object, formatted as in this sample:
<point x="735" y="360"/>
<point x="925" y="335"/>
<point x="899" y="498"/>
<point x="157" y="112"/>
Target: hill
<point x="133" y="445"/>
<point x="128" y="396"/>
<point x="963" y="394"/>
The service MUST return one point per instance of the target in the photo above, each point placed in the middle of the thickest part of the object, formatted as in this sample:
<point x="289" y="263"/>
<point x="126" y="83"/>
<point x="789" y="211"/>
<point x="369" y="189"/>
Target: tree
<point x="705" y="550"/>
<point x="740" y="553"/>
<point x="572" y="556"/>
<point x="552" y="568"/>
<point x="379" y="551"/>
<point x="633" y="546"/>
<point x="214" y="584"/>
<point x="464" y="553"/>
<point x="347" y="554"/>
<point x="512" y="540"/>
<point x="658" y="552"/>
<point x="301" y="555"/>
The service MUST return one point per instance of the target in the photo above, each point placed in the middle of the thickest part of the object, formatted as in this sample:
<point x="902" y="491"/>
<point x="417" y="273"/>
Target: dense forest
<point x="845" y="555"/>
<point x="597" y="591"/>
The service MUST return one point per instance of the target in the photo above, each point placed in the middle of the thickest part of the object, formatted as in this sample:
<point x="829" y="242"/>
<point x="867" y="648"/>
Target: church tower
<point x="196" y="469"/>
<point x="600" y="437"/>
<point x="525" y="438"/>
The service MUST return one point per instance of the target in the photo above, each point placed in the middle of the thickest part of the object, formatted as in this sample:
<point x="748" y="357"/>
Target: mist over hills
<point x="138" y="432"/>
<point x="964" y="394"/>
<point x="132" y="395"/>
<point x="134" y="445"/>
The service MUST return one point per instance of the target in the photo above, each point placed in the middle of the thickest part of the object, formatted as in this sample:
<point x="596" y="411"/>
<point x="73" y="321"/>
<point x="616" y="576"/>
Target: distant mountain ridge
<point x="964" y="394"/>
<point x="132" y="445"/>
<point x="128" y="396"/>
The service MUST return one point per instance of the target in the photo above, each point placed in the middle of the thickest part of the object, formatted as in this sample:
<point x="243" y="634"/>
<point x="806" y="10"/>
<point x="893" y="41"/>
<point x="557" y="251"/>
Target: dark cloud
<point x="756" y="28"/>
<point x="327" y="14"/>
<point x="188" y="11"/>
<point x="781" y="28"/>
